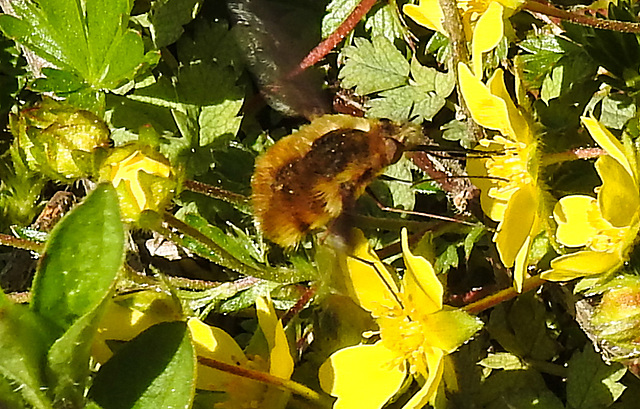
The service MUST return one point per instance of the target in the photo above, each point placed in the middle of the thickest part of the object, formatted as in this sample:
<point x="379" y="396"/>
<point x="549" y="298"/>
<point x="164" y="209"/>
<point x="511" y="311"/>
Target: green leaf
<point x="402" y="194"/>
<point x="155" y="370"/>
<point x="456" y="130"/>
<point x="81" y="260"/>
<point x="167" y="18"/>
<point x="554" y="64"/>
<point x="476" y="233"/>
<point x="502" y="360"/>
<point x="592" y="383"/>
<point x="384" y="22"/>
<point x="447" y="258"/>
<point x="373" y="66"/>
<point x="210" y="41"/>
<point x="517" y="389"/>
<point x="89" y="40"/>
<point x="617" y="109"/>
<point x="337" y="12"/>
<point x="522" y="329"/>
<point x="226" y="241"/>
<point x="248" y="297"/>
<point x="68" y="358"/>
<point x="420" y="100"/>
<point x="57" y="81"/>
<point x="23" y="345"/>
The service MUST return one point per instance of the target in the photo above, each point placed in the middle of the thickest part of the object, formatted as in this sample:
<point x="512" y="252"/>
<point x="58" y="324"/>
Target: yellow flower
<point x="483" y="22"/>
<point x="607" y="225"/>
<point x="416" y="332"/>
<point x="213" y="343"/>
<point x="132" y="314"/>
<point x="510" y="191"/>
<point x="143" y="178"/>
<point x="128" y="315"/>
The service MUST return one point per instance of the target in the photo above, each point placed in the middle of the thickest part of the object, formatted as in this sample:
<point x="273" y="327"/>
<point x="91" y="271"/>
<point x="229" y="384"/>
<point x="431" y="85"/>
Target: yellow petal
<point x="449" y="328"/>
<point x="280" y="360"/>
<point x="493" y="208"/>
<point x="618" y="198"/>
<point x="486" y="109"/>
<point x="421" y="285"/>
<point x="370" y="282"/>
<point x="581" y="264"/>
<point x="521" y="264"/>
<point x="486" y="35"/>
<point x="127" y="171"/>
<point x="518" y="128"/>
<point x="435" y="365"/>
<point x="609" y="143"/>
<point x="361" y="376"/>
<point x="573" y="215"/>
<point x="427" y="14"/>
<point x="517" y="225"/>
<point x="214" y="343"/>
<point x="512" y="5"/>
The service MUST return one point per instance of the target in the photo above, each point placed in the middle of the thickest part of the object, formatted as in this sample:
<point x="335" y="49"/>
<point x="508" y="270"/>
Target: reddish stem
<point x="329" y="43"/>
<point x="503" y="295"/>
<point x="552" y="11"/>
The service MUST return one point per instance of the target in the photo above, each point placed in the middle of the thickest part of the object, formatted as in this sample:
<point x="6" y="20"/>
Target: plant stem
<point x="552" y="11"/>
<point x="240" y="201"/>
<point x="460" y="54"/>
<point x="329" y="43"/>
<point x="572" y="154"/>
<point x="224" y="258"/>
<point x="15" y="242"/>
<point x="263" y="377"/>
<point x="502" y="295"/>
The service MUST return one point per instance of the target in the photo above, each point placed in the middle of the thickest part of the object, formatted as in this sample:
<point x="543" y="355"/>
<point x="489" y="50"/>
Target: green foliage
<point x="184" y="79"/>
<point x="155" y="370"/>
<point x="591" y="383"/>
<point x="105" y="56"/>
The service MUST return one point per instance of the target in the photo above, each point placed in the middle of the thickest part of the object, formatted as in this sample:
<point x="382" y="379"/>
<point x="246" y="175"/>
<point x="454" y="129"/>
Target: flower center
<point x="405" y="333"/>
<point x="608" y="238"/>
<point x="511" y="169"/>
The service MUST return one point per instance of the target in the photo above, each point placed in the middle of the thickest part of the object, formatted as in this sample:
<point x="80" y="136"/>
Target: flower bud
<point x="614" y="323"/>
<point x="143" y="178"/>
<point x="58" y="140"/>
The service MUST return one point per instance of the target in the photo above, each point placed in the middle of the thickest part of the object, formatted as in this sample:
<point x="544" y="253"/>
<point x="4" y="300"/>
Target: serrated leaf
<point x="90" y="40"/>
<point x="617" y="109"/>
<point x="517" y="389"/>
<point x="420" y="100"/>
<point x="81" y="260"/>
<point x="522" y="329"/>
<point x="447" y="259"/>
<point x="248" y="297"/>
<point x="220" y="120"/>
<point x="472" y="238"/>
<point x="591" y="383"/>
<point x="384" y="22"/>
<point x="337" y="12"/>
<point x="409" y="102"/>
<point x="167" y="18"/>
<point x="552" y="84"/>
<point x="156" y="370"/>
<point x="373" y="66"/>
<point x="23" y="345"/>
<point x="210" y="41"/>
<point x="227" y="242"/>
<point x="502" y="360"/>
<point x="57" y="81"/>
<point x="403" y="195"/>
